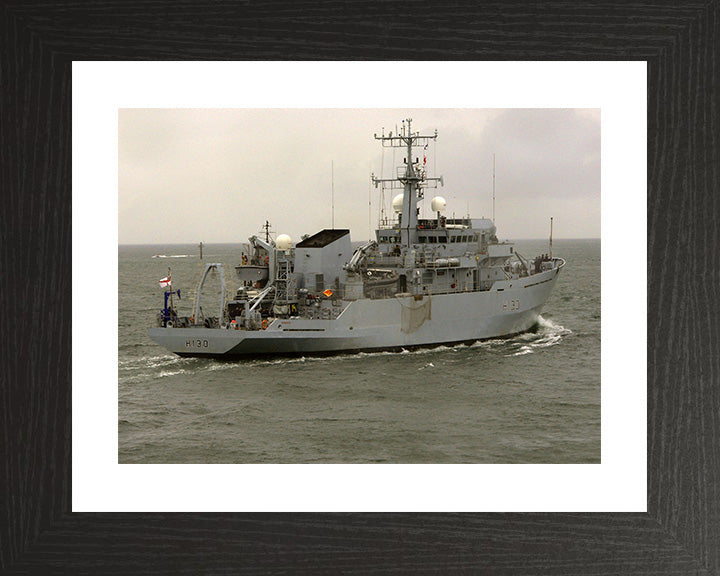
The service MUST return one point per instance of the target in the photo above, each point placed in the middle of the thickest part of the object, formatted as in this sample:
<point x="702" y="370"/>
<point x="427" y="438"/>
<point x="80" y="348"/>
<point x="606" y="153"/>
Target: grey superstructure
<point x="420" y="282"/>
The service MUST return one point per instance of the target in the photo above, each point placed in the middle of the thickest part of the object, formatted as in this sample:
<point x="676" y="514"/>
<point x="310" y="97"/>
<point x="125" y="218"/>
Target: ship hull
<point x="406" y="321"/>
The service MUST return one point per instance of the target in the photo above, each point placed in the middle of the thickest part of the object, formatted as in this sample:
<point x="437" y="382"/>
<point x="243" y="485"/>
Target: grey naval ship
<point x="420" y="282"/>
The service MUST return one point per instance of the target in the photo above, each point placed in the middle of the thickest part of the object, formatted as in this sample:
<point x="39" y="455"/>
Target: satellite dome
<point x="398" y="203"/>
<point x="438" y="204"/>
<point x="283" y="242"/>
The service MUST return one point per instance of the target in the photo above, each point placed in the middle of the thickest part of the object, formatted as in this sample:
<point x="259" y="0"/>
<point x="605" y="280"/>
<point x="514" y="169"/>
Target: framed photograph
<point x="456" y="366"/>
<point x="61" y="287"/>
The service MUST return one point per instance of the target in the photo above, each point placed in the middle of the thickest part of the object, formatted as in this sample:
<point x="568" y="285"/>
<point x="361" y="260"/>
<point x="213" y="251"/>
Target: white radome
<point x="398" y="203"/>
<point x="438" y="204"/>
<point x="283" y="242"/>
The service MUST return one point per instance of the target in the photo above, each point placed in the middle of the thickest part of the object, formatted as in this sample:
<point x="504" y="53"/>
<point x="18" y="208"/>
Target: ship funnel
<point x="438" y="204"/>
<point x="397" y="203"/>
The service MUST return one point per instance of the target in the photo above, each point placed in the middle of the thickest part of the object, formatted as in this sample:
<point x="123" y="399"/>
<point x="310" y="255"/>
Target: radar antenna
<point x="266" y="228"/>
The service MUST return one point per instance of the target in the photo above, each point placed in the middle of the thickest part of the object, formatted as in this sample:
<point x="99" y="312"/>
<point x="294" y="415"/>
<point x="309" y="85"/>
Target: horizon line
<point x="241" y="242"/>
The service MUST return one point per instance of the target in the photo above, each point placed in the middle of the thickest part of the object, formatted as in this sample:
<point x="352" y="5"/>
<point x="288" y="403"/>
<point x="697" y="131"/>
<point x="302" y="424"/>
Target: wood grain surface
<point x="680" y="534"/>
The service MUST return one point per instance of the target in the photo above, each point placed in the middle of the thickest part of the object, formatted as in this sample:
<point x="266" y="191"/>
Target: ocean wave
<point x="549" y="325"/>
<point x="164" y="373"/>
<point x="143" y="360"/>
<point x="154" y="362"/>
<point x="546" y="333"/>
<point x="524" y="350"/>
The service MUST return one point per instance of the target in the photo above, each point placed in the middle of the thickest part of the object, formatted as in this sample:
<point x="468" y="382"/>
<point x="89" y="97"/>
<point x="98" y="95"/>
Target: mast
<point x="493" y="188"/>
<point x="551" y="236"/>
<point x="411" y="180"/>
<point x="171" y="292"/>
<point x="369" y="210"/>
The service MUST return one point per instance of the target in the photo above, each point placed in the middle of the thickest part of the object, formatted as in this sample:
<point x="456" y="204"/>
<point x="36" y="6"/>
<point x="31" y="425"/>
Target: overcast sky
<point x="216" y="175"/>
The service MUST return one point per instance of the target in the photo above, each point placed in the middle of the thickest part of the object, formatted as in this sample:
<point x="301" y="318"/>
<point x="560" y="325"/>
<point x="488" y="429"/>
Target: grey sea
<point x="531" y="398"/>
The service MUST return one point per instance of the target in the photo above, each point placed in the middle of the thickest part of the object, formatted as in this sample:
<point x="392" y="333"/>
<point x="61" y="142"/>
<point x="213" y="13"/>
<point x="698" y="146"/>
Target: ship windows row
<point x="431" y="239"/>
<point x="444" y="239"/>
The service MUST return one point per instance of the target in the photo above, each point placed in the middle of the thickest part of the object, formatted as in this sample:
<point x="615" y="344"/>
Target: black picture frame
<point x="680" y="533"/>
